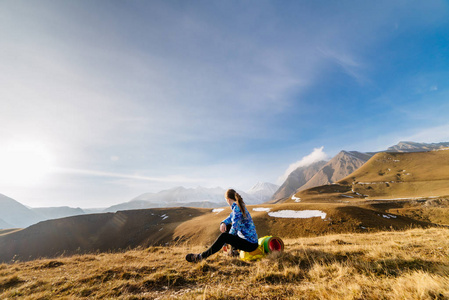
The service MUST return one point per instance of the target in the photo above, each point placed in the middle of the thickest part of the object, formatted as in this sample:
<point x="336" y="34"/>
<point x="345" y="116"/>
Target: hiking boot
<point x="234" y="253"/>
<point x="193" y="258"/>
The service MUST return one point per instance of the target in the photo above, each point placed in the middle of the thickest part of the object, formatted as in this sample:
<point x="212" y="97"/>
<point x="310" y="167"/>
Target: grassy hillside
<point x="155" y="227"/>
<point x="96" y="232"/>
<point x="402" y="175"/>
<point x="411" y="264"/>
<point x="388" y="176"/>
<point x="430" y="210"/>
<point x="340" y="218"/>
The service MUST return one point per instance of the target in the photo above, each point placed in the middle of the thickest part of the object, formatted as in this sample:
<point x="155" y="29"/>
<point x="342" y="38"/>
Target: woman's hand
<point x="223" y="227"/>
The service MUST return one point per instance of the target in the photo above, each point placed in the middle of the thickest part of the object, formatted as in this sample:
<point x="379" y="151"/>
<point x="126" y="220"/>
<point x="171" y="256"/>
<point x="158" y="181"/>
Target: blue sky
<point x="105" y="100"/>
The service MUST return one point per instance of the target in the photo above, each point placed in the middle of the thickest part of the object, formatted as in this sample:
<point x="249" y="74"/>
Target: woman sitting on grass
<point x="242" y="233"/>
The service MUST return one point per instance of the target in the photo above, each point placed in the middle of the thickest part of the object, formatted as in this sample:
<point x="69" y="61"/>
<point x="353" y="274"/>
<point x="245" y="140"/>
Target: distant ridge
<point x="402" y="174"/>
<point x="343" y="164"/>
<point x="388" y="176"/>
<point x="15" y="214"/>
<point x="340" y="166"/>
<point x="175" y="197"/>
<point x="297" y="179"/>
<point x="5" y="225"/>
<point x="263" y="191"/>
<point x="58" y="212"/>
<point x="405" y="146"/>
<point x="321" y="173"/>
<point x="193" y="197"/>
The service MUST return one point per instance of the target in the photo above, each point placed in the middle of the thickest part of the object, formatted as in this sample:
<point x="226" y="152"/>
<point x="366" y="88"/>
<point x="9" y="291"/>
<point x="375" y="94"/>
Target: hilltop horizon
<point x="213" y="197"/>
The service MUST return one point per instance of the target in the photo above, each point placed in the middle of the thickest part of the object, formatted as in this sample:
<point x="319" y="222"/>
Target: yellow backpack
<point x="267" y="244"/>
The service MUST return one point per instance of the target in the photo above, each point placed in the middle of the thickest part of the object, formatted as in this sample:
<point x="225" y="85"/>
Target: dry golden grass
<point x="401" y="175"/>
<point x="411" y="264"/>
<point x="387" y="176"/>
<point x="434" y="210"/>
<point x="144" y="228"/>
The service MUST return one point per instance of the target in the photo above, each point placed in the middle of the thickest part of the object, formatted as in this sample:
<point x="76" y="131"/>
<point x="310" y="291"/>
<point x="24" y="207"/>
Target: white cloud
<point x="316" y="155"/>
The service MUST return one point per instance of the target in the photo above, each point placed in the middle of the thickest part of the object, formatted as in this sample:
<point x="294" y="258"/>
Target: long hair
<point x="233" y="195"/>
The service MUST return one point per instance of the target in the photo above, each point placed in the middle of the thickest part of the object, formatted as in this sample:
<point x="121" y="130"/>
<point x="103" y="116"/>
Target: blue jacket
<point x="241" y="226"/>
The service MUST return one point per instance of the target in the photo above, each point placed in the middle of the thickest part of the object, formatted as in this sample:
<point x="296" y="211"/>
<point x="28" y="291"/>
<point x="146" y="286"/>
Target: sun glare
<point x="24" y="163"/>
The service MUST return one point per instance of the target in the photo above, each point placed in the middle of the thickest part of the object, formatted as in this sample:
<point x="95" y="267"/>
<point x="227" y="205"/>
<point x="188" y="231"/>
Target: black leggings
<point x="233" y="240"/>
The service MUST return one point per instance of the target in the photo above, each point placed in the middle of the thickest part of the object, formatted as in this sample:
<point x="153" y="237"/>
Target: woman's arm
<point x="228" y="220"/>
<point x="236" y="219"/>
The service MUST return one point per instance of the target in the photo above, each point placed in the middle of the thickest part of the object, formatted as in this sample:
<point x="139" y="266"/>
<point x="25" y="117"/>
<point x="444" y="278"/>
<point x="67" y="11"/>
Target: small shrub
<point x="155" y="249"/>
<point x="51" y="264"/>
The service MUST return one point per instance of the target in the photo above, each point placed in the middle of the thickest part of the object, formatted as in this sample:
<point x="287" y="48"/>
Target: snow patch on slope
<point x="261" y="209"/>
<point x="298" y="214"/>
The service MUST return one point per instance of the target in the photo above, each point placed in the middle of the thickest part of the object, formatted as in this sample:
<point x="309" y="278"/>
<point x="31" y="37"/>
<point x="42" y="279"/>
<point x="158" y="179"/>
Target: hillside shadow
<point x="94" y="233"/>
<point x="11" y="282"/>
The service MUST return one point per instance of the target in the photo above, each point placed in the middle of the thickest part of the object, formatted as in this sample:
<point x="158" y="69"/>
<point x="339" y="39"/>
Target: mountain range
<point x="417" y="147"/>
<point x="297" y="179"/>
<point x="194" y="197"/>
<point x="15" y="215"/>
<point x="321" y="173"/>
<point x="58" y="212"/>
<point x="340" y="166"/>
<point x="4" y="224"/>
<point x="391" y="177"/>
<point x="263" y="191"/>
